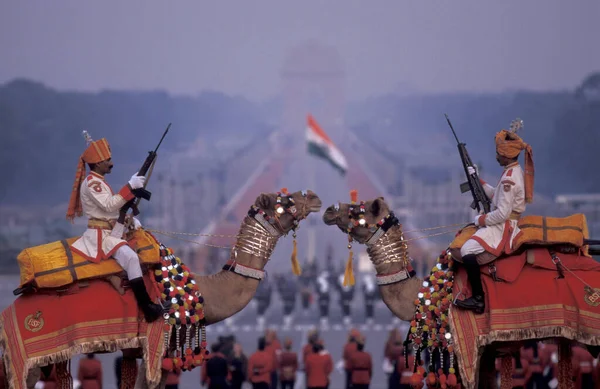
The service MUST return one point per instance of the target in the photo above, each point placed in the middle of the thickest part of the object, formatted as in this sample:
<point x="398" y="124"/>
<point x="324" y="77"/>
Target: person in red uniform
<point x="274" y="347"/>
<point x="349" y="349"/>
<point x="319" y="366"/>
<point x="260" y="366"/>
<point x="90" y="373"/>
<point x="393" y="351"/>
<point x="360" y="365"/>
<point x="405" y="372"/>
<point x="313" y="338"/>
<point x="288" y="365"/>
<point x="215" y="372"/>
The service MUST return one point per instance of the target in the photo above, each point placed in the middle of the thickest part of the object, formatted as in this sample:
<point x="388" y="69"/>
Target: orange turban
<point x="510" y="145"/>
<point x="96" y="152"/>
<point x="361" y="339"/>
<point x="354" y="333"/>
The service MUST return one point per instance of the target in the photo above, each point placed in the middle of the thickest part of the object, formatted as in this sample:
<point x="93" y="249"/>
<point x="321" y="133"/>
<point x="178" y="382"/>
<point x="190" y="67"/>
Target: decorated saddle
<point x="54" y="265"/>
<point x="566" y="235"/>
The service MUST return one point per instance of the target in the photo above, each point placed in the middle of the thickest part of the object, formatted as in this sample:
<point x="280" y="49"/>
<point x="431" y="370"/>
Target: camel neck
<point x="254" y="245"/>
<point x="390" y="253"/>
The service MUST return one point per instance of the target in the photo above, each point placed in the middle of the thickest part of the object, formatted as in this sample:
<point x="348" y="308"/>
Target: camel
<point x="373" y="223"/>
<point x="179" y="341"/>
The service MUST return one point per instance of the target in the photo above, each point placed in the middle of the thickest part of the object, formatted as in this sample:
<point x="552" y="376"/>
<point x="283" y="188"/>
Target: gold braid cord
<point x="253" y="239"/>
<point x="177" y="235"/>
<point x="391" y="247"/>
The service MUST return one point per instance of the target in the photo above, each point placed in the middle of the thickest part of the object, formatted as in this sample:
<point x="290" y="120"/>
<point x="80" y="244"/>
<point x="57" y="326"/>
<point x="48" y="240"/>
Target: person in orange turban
<point x="93" y="197"/>
<point x="498" y="228"/>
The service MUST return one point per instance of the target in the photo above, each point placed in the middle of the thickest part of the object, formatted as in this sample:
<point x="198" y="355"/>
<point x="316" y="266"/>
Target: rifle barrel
<point x="452" y="128"/>
<point x="163" y="137"/>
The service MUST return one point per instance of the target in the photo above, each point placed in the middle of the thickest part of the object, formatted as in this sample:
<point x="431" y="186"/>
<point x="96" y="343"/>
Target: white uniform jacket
<point x="101" y="207"/>
<point x="499" y="227"/>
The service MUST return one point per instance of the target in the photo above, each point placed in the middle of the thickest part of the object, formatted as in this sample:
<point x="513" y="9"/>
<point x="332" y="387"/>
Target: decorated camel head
<point x="374" y="224"/>
<point x="283" y="210"/>
<point x="360" y="220"/>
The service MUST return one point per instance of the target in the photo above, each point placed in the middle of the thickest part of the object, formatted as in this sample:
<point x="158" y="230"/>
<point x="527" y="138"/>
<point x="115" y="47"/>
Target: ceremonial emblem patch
<point x="592" y="296"/>
<point x="506" y="187"/>
<point x="95" y="185"/>
<point x="34" y="322"/>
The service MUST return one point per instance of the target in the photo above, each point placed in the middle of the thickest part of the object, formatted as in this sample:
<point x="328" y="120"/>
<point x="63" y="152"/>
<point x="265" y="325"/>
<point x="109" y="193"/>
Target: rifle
<point x="142" y="193"/>
<point x="480" y="199"/>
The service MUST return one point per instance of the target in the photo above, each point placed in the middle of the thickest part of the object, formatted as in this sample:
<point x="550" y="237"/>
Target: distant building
<point x="586" y="203"/>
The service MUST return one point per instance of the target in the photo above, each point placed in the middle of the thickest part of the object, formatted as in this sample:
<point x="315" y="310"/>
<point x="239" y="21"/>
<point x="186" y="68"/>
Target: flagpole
<point x="312" y="236"/>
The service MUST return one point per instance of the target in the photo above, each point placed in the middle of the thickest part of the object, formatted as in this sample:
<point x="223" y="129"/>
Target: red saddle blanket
<point x="41" y="329"/>
<point x="533" y="305"/>
<point x="507" y="269"/>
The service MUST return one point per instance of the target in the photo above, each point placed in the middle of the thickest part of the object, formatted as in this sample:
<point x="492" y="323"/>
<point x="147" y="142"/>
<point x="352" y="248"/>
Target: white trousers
<point x="129" y="261"/>
<point x="471" y="246"/>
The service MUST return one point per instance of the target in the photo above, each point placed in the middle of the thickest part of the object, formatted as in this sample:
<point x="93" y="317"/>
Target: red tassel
<point x="452" y="381"/>
<point x="431" y="379"/>
<point x="353" y="196"/>
<point x="167" y="364"/>
<point x="284" y="191"/>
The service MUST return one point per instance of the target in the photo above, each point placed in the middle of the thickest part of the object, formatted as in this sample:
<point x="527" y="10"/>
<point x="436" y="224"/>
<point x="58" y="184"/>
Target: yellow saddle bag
<point x="54" y="265"/>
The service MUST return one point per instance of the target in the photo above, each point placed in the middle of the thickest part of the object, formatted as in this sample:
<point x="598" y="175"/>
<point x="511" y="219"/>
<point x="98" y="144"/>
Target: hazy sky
<point x="238" y="47"/>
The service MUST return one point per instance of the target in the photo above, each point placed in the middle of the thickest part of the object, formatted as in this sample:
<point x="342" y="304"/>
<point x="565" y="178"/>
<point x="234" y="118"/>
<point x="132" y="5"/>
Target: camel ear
<point x="376" y="206"/>
<point x="263" y="201"/>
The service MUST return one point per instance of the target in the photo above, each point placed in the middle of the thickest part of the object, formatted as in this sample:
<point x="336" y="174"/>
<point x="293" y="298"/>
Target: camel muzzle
<point x="330" y="215"/>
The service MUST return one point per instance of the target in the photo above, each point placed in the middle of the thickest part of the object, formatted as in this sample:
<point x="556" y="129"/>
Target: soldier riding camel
<point x="498" y="228"/>
<point x="93" y="197"/>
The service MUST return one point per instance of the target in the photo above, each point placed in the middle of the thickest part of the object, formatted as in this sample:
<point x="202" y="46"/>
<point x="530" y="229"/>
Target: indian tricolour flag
<point x="321" y="146"/>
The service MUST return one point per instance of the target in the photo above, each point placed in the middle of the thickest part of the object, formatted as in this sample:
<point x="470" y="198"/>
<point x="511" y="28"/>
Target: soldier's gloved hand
<point x="136" y="224"/>
<point x="136" y="181"/>
<point x="476" y="220"/>
<point x="472" y="170"/>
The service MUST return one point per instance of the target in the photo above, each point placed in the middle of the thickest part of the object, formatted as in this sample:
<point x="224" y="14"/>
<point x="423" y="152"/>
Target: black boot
<point x="477" y="301"/>
<point x="151" y="311"/>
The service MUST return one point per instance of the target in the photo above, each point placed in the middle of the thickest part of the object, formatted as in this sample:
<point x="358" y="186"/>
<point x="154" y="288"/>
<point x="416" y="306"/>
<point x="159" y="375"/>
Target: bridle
<point x="256" y="242"/>
<point x="285" y="204"/>
<point x="357" y="219"/>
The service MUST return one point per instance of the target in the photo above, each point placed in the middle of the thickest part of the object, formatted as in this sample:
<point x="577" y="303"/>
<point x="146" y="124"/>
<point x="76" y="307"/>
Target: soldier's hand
<point x="472" y="170"/>
<point x="136" y="181"/>
<point x="136" y="223"/>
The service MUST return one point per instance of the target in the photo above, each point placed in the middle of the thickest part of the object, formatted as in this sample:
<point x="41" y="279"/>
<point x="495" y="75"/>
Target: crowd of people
<point x="275" y="364"/>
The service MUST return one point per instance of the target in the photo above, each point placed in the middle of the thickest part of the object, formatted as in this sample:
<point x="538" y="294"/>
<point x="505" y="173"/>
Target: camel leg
<point x="565" y="366"/>
<point x="128" y="372"/>
<point x="506" y="372"/>
<point x="33" y="376"/>
<point x="487" y="370"/>
<point x="63" y="375"/>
